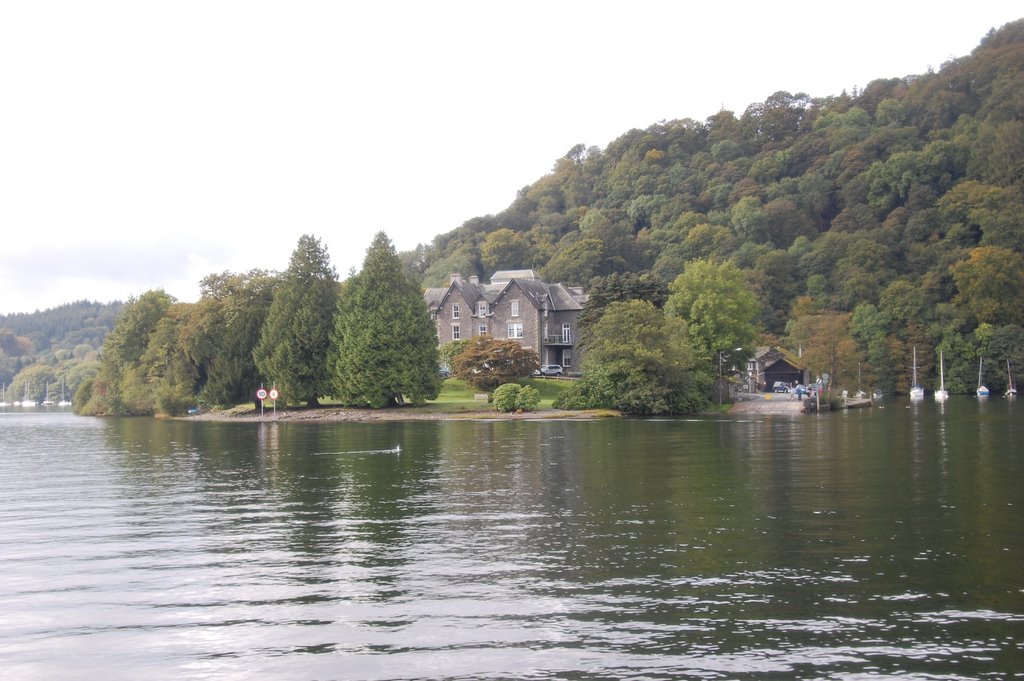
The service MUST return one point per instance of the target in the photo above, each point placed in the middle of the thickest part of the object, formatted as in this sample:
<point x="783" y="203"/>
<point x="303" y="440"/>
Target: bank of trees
<point x="891" y="214"/>
<point x="369" y="342"/>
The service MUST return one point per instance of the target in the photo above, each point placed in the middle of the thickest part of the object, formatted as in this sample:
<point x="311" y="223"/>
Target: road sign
<point x="261" y="394"/>
<point x="273" y="393"/>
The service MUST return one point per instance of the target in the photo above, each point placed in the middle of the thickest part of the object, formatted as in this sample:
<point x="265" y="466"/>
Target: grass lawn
<point x="457" y="395"/>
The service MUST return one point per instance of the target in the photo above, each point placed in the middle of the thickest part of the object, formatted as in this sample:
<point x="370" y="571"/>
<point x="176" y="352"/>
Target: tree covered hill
<point x="55" y="335"/>
<point x="902" y="202"/>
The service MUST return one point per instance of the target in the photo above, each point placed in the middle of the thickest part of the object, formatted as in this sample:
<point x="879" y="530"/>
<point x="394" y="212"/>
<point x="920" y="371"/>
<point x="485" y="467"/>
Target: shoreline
<point x="408" y="413"/>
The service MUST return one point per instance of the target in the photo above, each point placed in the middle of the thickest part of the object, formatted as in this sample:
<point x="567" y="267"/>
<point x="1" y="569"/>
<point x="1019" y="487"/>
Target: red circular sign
<point x="273" y="393"/>
<point x="261" y="394"/>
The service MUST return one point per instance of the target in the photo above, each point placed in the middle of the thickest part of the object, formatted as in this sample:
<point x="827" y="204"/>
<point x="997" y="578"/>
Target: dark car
<point x="780" y="387"/>
<point x="444" y="371"/>
<point x="549" y="370"/>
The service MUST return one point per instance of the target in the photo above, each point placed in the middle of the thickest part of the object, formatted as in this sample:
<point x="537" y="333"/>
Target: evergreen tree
<point x="384" y="344"/>
<point x="292" y="352"/>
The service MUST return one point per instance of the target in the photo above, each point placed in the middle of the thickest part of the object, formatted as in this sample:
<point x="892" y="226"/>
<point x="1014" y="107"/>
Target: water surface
<point x="870" y="543"/>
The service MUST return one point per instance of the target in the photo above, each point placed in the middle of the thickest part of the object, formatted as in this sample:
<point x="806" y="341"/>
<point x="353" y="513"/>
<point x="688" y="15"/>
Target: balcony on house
<point x="558" y="339"/>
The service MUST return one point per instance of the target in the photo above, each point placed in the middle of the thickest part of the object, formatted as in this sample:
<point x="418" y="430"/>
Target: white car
<point x="549" y="370"/>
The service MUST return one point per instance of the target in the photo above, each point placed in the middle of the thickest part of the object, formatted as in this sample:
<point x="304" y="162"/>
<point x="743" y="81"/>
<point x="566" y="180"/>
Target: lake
<point x="862" y="544"/>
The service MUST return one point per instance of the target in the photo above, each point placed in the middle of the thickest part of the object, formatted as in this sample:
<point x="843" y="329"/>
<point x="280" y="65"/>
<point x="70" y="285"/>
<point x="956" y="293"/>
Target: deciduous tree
<point x="487" y="362"/>
<point x="989" y="283"/>
<point x="718" y="306"/>
<point x="638" y="361"/>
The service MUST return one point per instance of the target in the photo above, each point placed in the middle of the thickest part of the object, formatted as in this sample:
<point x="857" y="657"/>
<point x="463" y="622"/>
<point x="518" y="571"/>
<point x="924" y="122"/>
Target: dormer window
<point x="481" y="308"/>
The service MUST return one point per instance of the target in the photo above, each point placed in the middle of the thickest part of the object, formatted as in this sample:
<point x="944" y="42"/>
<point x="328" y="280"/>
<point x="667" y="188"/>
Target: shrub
<point x="505" y="397"/>
<point x="528" y="398"/>
<point x="514" y="397"/>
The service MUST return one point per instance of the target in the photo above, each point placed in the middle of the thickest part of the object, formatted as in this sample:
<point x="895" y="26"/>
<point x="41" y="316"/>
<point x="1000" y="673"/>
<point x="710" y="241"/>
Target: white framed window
<point x="566" y="358"/>
<point x="566" y="333"/>
<point x="515" y="307"/>
<point x="455" y="311"/>
<point x="481" y="308"/>
<point x="515" y="329"/>
<point x="455" y="332"/>
<point x="482" y="330"/>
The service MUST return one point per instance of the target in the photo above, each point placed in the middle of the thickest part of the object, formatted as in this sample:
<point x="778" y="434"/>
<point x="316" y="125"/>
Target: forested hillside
<point x="882" y="219"/>
<point x="55" y="345"/>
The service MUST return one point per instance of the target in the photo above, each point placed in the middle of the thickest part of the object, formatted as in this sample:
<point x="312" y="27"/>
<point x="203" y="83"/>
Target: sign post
<point x="261" y="395"/>
<point x="273" y="396"/>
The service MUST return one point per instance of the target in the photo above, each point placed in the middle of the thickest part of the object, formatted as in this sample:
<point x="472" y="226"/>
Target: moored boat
<point x="916" y="390"/>
<point x="941" y="395"/>
<point x="982" y="390"/>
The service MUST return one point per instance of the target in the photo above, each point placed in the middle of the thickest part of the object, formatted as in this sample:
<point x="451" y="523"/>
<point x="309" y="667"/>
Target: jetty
<point x="770" y="403"/>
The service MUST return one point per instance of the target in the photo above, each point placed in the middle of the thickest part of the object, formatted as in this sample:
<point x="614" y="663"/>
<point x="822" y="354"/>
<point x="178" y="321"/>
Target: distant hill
<point x="843" y="199"/>
<point x="54" y="335"/>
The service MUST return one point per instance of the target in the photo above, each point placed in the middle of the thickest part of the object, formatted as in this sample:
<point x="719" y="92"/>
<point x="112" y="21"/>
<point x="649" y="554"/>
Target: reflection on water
<point x="865" y="543"/>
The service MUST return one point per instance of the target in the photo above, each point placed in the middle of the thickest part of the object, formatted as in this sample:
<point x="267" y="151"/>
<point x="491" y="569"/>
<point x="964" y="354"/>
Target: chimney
<point x="456" y="278"/>
<point x="473" y="279"/>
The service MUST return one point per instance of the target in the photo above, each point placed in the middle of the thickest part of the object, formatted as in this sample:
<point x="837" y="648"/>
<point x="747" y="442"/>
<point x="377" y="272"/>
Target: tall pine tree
<point x="292" y="352"/>
<point x="384" y="343"/>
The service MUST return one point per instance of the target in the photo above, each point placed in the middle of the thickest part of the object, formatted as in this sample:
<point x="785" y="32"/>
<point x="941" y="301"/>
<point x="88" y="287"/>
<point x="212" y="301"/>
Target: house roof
<point x="540" y="294"/>
<point x="769" y="355"/>
<point x="505" y="276"/>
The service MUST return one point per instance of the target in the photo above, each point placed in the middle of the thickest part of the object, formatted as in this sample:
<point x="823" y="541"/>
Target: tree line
<point x="368" y="341"/>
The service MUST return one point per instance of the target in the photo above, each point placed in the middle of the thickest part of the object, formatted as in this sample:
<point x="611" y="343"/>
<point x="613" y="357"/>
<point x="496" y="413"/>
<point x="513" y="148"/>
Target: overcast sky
<point x="146" y="144"/>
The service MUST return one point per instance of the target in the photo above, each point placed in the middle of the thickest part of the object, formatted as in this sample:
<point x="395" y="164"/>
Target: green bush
<point x="505" y="397"/>
<point x="514" y="397"/>
<point x="528" y="398"/>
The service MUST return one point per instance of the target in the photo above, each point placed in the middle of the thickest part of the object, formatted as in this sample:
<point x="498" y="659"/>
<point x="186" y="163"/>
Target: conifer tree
<point x="292" y="352"/>
<point x="384" y="346"/>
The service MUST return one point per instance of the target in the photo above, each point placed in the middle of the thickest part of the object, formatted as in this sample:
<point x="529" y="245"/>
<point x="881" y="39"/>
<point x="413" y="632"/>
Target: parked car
<point x="444" y="371"/>
<point x="549" y="370"/>
<point x="780" y="387"/>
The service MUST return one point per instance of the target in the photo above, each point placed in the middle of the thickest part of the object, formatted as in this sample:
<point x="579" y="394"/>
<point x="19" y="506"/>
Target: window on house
<point x="515" y="308"/>
<point x="483" y="330"/>
<point x="481" y="308"/>
<point x="455" y="332"/>
<point x="515" y="329"/>
<point x="566" y="358"/>
<point x="566" y="334"/>
<point x="455" y="311"/>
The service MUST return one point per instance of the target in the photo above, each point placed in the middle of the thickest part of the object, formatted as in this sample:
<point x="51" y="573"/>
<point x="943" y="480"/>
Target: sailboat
<point x="26" y="402"/>
<point x="1010" y="390"/>
<point x="941" y="395"/>
<point x="3" y="396"/>
<point x="916" y="391"/>
<point x="47" y="402"/>
<point x="982" y="390"/>
<point x="63" y="401"/>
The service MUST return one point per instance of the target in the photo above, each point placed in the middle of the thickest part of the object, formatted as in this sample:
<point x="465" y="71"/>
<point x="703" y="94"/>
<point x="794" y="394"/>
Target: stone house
<point x="515" y="305"/>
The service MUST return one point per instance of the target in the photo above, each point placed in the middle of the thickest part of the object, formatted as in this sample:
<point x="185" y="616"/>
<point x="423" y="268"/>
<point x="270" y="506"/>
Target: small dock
<point x="769" y="404"/>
